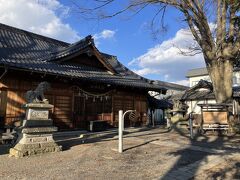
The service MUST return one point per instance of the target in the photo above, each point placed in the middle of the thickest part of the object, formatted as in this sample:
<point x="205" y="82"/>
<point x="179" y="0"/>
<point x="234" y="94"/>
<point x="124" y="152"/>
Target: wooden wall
<point x="12" y="93"/>
<point x="90" y="109"/>
<point x="130" y="101"/>
<point x="64" y="113"/>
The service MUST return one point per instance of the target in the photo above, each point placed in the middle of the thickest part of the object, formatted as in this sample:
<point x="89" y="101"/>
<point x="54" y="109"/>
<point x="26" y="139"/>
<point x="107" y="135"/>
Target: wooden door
<point x="123" y="102"/>
<point x="141" y="108"/>
<point x="79" y="113"/>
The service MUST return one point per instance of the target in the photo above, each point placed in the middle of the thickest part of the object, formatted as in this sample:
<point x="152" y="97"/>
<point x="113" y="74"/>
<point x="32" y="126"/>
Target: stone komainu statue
<point x="37" y="95"/>
<point x="177" y="105"/>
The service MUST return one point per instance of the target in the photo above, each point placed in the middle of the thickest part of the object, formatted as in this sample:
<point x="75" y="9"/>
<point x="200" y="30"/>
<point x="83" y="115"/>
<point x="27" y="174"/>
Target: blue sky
<point x="130" y="39"/>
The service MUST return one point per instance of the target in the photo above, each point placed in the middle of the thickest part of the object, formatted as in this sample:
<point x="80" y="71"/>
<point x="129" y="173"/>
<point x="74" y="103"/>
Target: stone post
<point x="120" y="131"/>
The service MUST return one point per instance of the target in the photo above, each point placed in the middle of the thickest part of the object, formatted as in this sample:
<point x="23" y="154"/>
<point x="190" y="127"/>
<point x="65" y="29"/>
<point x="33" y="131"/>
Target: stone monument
<point x="35" y="135"/>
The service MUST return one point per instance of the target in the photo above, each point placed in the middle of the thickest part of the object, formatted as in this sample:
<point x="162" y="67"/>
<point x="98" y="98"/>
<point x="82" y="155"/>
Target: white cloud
<point x="146" y="71"/>
<point x="166" y="60"/>
<point x="105" y="34"/>
<point x="44" y="17"/>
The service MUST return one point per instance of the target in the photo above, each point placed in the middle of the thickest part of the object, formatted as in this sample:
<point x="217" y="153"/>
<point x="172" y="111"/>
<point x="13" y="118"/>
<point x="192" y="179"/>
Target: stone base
<point x="21" y="150"/>
<point x="33" y="141"/>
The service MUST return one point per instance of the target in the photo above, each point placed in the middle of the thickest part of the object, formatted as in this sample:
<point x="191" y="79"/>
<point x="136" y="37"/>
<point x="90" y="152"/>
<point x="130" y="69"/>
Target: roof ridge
<point x="172" y="83"/>
<point x="125" y="68"/>
<point x="37" y="36"/>
<point x="197" y="68"/>
<point x="60" y="53"/>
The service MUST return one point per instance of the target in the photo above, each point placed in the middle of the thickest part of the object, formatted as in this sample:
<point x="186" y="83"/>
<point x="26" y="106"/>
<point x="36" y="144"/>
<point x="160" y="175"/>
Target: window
<point x="235" y="81"/>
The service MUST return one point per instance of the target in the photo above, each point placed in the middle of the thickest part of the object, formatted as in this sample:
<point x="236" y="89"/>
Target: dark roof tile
<point x="197" y="72"/>
<point x="27" y="51"/>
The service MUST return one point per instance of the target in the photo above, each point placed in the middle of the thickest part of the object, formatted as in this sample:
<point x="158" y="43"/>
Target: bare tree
<point x="220" y="48"/>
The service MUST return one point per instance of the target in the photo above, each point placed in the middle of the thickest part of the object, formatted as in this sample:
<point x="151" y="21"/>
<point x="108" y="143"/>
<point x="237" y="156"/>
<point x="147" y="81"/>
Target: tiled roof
<point x="123" y="70"/>
<point x="26" y="51"/>
<point x="177" y="96"/>
<point x="206" y="92"/>
<point x="194" y="93"/>
<point x="199" y="95"/>
<point x="159" y="103"/>
<point x="172" y="86"/>
<point x="22" y="45"/>
<point x="197" y="72"/>
<point x="203" y="71"/>
<point x="71" y="49"/>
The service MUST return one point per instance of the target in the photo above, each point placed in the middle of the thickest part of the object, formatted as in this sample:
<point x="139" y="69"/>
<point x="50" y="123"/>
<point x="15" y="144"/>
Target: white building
<point x="195" y="75"/>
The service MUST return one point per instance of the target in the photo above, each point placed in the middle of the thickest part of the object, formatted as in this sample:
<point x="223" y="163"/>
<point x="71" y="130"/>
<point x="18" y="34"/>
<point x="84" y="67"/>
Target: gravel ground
<point x="229" y="170"/>
<point x="145" y="157"/>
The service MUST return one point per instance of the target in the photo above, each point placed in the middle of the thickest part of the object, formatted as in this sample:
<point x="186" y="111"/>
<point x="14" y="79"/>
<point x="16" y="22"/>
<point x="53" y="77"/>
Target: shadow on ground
<point x="4" y="149"/>
<point x="223" y="173"/>
<point x="70" y="142"/>
<point x="182" y="153"/>
<point x="204" y="141"/>
<point x="197" y="157"/>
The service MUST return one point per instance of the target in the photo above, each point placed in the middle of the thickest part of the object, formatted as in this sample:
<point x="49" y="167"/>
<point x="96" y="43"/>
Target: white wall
<point x="193" y="107"/>
<point x="194" y="80"/>
<point x="236" y="78"/>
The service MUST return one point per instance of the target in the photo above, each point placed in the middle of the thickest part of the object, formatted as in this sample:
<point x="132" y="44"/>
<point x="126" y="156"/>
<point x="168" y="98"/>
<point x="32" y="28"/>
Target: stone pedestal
<point x="35" y="136"/>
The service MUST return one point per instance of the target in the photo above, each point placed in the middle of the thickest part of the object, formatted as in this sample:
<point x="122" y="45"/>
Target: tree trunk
<point x="221" y="74"/>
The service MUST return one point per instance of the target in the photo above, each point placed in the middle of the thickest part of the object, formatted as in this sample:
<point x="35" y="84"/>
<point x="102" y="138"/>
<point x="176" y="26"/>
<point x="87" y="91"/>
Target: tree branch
<point x="192" y="51"/>
<point x="233" y="9"/>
